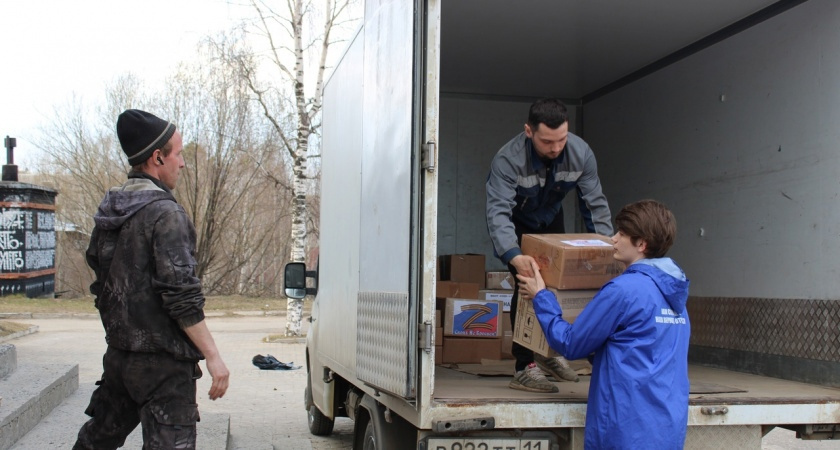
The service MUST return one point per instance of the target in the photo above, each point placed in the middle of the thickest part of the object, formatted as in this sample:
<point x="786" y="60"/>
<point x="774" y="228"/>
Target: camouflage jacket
<point x="142" y="251"/>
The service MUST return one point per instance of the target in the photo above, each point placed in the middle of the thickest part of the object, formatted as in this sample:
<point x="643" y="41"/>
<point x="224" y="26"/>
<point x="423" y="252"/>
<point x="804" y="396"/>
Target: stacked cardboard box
<point x="503" y="295"/>
<point x="573" y="261"/>
<point x="527" y="331"/>
<point x="500" y="280"/>
<point x="460" y="350"/>
<point x="471" y="328"/>
<point x="466" y="268"/>
<point x="472" y="318"/>
<point x="574" y="267"/>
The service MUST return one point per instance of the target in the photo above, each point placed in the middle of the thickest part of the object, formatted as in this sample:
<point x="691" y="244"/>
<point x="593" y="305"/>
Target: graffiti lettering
<point x="40" y="240"/>
<point x="40" y="259"/>
<point x="46" y="220"/>
<point x="11" y="219"/>
<point x="8" y="241"/>
<point x="11" y="260"/>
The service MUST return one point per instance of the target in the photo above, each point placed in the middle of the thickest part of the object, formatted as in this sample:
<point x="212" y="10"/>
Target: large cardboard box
<point x="454" y="289"/>
<point x="503" y="295"/>
<point x="527" y="331"/>
<point x="500" y="280"/>
<point x="507" y="345"/>
<point x="573" y="261"/>
<point x="472" y="318"/>
<point x="470" y="350"/>
<point x="438" y="354"/>
<point x="466" y="268"/>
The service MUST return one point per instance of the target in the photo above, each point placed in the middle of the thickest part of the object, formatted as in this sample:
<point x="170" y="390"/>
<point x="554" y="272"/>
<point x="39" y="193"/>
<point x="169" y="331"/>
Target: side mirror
<point x="294" y="280"/>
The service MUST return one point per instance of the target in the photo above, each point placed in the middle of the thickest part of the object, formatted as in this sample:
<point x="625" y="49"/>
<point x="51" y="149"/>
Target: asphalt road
<point x="265" y="407"/>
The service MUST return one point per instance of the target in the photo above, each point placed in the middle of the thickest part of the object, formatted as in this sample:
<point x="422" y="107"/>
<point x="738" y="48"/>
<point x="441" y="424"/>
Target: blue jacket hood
<point x="668" y="277"/>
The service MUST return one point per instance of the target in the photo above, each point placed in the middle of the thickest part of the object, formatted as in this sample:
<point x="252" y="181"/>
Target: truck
<point x="728" y="112"/>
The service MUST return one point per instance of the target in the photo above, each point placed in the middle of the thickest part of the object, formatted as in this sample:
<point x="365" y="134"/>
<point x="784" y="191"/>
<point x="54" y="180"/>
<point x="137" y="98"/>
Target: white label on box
<point x="587" y="243"/>
<point x="505" y="298"/>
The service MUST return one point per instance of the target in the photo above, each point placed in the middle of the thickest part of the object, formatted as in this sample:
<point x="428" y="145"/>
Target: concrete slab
<point x="60" y="427"/>
<point x="13" y="336"/>
<point x="29" y="394"/>
<point x="265" y="406"/>
<point x="8" y="359"/>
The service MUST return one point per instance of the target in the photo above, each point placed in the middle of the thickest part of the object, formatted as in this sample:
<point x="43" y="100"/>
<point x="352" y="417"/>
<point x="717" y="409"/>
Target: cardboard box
<point x="507" y="345"/>
<point x="503" y="295"/>
<point x="454" y="289"/>
<point x="437" y="339"/>
<point x="527" y="331"/>
<point x="466" y="268"/>
<point x="438" y="321"/>
<point x="499" y="280"/>
<point x="573" y="261"/>
<point x="472" y="318"/>
<point x="507" y="325"/>
<point x="470" y="350"/>
<point x="438" y="354"/>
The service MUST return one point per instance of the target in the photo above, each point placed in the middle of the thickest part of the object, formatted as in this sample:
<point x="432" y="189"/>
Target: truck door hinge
<point x="429" y="156"/>
<point x="426" y="335"/>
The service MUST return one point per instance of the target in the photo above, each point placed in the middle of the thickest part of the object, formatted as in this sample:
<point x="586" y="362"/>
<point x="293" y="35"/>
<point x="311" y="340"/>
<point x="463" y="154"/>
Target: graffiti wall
<point x="27" y="241"/>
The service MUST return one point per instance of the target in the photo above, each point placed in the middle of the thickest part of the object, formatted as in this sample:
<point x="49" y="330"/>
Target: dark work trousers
<point x="152" y="389"/>
<point x="525" y="356"/>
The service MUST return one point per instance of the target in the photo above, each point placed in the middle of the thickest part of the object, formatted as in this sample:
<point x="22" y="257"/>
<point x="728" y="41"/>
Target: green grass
<point x="8" y="327"/>
<point x="222" y="303"/>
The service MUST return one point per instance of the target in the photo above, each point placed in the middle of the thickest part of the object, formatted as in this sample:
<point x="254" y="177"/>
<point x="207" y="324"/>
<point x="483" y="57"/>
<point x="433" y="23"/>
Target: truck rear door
<point x="387" y="314"/>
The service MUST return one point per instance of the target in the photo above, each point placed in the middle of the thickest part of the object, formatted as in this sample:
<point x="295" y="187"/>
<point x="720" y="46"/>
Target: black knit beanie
<point x="141" y="133"/>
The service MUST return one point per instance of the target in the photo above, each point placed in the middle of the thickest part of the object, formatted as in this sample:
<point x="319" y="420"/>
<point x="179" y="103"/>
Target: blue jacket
<point x="638" y="328"/>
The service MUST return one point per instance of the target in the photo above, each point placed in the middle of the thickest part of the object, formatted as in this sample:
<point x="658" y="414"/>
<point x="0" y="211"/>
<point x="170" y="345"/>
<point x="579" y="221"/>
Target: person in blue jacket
<point x="638" y="329"/>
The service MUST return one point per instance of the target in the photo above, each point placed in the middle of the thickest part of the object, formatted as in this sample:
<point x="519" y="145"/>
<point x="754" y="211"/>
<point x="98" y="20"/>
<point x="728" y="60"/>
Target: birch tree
<point x="298" y="37"/>
<point x="224" y="187"/>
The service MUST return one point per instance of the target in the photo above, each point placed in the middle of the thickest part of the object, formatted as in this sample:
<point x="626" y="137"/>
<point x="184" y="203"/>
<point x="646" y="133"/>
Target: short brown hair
<point x="650" y="221"/>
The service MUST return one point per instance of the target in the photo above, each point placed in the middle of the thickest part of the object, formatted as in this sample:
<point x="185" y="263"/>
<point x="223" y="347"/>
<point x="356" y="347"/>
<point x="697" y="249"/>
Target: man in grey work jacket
<point x="529" y="177"/>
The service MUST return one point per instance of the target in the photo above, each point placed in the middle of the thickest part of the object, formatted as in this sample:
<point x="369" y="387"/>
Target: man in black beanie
<point x="142" y="251"/>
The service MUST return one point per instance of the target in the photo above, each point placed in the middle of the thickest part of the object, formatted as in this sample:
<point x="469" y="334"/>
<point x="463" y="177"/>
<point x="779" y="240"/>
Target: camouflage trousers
<point x="152" y="389"/>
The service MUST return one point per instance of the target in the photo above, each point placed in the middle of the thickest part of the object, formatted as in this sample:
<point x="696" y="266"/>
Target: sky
<point x="53" y="50"/>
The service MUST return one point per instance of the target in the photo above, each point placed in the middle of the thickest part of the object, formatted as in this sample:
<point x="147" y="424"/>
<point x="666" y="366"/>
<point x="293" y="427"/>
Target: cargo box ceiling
<point x="578" y="49"/>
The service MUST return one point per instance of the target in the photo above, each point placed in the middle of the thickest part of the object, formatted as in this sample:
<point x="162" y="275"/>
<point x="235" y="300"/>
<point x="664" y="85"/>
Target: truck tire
<point x="369" y="441"/>
<point x="319" y="424"/>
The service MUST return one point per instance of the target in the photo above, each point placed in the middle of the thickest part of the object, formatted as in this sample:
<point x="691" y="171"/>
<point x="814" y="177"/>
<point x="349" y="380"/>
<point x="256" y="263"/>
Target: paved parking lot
<point x="265" y="407"/>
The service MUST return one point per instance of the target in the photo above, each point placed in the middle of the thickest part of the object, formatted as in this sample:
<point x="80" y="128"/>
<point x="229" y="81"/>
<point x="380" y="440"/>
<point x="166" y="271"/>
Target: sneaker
<point x="531" y="379"/>
<point x="558" y="367"/>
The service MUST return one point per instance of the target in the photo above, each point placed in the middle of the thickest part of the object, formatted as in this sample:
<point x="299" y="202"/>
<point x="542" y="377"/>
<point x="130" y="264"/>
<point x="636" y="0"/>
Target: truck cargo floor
<point x="708" y="385"/>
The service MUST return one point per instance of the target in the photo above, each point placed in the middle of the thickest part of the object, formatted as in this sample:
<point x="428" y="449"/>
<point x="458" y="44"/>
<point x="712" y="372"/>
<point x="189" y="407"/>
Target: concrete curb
<point x="31" y="393"/>
<point x="9" y="337"/>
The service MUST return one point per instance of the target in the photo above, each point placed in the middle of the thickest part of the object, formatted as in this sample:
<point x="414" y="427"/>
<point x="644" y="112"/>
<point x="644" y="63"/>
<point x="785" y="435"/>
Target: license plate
<point x="487" y="444"/>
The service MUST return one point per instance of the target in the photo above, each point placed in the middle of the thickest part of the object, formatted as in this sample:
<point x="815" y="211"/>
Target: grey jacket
<point x="523" y="193"/>
<point x="142" y="253"/>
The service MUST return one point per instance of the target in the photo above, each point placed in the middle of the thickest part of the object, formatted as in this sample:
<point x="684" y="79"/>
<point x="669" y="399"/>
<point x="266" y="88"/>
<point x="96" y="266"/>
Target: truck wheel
<point x="319" y="424"/>
<point x="369" y="442"/>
